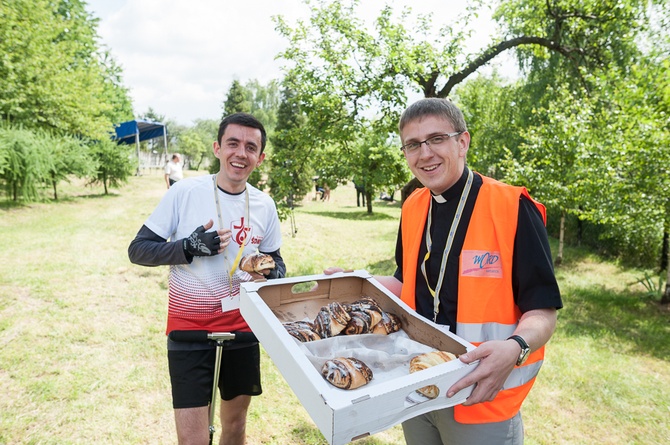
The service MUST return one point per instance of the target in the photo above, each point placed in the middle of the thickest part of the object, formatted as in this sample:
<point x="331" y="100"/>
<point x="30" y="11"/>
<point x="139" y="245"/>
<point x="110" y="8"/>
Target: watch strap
<point x="519" y="339"/>
<point x="525" y="349"/>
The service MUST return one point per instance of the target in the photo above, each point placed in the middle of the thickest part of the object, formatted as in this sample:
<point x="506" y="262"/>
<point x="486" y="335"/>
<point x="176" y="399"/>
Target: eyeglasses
<point x="434" y="141"/>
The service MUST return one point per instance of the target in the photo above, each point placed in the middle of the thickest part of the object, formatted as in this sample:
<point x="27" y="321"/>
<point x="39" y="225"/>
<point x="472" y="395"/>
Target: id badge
<point x="230" y="303"/>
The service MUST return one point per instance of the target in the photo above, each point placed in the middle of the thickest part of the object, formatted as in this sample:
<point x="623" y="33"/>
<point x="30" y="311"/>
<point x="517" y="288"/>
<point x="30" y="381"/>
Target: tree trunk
<point x="53" y="184"/>
<point x="561" y="238"/>
<point x="665" y="299"/>
<point x="368" y="201"/>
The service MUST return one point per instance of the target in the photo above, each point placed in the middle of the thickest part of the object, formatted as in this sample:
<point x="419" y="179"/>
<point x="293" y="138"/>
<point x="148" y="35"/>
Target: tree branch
<point x="492" y="52"/>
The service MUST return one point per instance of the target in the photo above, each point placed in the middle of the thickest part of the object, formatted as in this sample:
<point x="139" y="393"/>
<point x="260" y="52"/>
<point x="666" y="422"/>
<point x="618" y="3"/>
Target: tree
<point x="51" y="73"/>
<point x="345" y="75"/>
<point x="290" y="174"/>
<point x="238" y="99"/>
<point x="379" y="162"/>
<point x="23" y="163"/>
<point x="114" y="163"/>
<point x="196" y="142"/>
<point x="68" y="156"/>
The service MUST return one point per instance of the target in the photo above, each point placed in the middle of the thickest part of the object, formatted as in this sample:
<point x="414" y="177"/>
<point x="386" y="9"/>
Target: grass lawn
<point x="82" y="345"/>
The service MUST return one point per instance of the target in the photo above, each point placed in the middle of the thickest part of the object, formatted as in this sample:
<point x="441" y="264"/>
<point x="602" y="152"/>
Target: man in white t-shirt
<point x="208" y="220"/>
<point x="173" y="170"/>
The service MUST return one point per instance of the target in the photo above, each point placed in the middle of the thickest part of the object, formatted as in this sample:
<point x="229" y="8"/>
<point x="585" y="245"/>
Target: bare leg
<point x="192" y="425"/>
<point x="234" y="420"/>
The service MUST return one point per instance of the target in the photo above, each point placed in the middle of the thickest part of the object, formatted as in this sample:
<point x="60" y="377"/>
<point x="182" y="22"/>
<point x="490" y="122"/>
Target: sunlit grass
<point x="82" y="345"/>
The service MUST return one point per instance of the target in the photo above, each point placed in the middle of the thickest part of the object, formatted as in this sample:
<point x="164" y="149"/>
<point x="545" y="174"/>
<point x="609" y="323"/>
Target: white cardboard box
<point x="347" y="415"/>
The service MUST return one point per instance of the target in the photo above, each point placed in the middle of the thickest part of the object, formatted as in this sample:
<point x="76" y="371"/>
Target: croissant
<point x="257" y="262"/>
<point x="302" y="330"/>
<point x="346" y="372"/>
<point x="424" y="361"/>
<point x="331" y="320"/>
<point x="390" y="323"/>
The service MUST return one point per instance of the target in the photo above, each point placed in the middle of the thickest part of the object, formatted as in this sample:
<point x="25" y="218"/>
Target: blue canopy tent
<point x="133" y="132"/>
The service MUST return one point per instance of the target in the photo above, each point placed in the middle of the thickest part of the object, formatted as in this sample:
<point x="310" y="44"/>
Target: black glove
<point x="201" y="243"/>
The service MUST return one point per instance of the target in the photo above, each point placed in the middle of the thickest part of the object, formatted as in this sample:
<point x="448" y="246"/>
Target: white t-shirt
<point x="174" y="171"/>
<point x="200" y="294"/>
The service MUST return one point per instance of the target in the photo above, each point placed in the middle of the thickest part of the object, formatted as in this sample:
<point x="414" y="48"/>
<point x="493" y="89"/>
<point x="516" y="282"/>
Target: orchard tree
<point x="345" y="74"/>
<point x="376" y="159"/>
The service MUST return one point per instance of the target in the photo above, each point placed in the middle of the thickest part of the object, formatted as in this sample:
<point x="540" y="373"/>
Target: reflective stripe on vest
<point x="481" y="332"/>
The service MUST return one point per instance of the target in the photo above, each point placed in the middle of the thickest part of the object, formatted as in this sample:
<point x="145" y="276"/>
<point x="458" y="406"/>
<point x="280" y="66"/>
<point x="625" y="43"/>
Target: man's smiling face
<point x="437" y="168"/>
<point x="239" y="153"/>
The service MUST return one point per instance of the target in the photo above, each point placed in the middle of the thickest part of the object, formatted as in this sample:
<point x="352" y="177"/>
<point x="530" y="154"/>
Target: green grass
<point x="82" y="346"/>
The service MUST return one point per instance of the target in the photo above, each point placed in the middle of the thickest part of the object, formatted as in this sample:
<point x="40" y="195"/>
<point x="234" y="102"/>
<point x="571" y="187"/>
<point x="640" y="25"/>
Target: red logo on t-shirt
<point x="240" y="233"/>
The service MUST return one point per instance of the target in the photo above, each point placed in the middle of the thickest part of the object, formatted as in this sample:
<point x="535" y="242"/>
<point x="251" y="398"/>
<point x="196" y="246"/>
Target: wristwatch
<point x="525" y="349"/>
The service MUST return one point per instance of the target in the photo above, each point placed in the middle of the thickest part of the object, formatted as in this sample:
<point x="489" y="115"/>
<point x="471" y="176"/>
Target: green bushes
<point x="33" y="161"/>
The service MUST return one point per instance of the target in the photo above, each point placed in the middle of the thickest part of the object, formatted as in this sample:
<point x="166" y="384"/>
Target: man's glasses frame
<point x="433" y="141"/>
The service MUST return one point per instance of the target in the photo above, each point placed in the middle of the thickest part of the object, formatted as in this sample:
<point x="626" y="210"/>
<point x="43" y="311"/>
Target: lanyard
<point x="244" y="229"/>
<point x="450" y="239"/>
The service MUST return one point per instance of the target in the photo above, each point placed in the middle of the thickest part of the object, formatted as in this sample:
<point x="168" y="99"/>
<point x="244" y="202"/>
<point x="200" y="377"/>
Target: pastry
<point x="424" y="361"/>
<point x="257" y="262"/>
<point x="360" y="323"/>
<point x="346" y="372"/>
<point x="302" y="330"/>
<point x="331" y="320"/>
<point x="369" y="306"/>
<point x="389" y="324"/>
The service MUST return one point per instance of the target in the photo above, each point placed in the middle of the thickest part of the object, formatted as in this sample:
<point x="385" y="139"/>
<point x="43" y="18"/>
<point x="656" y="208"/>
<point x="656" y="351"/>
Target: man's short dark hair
<point x="245" y="120"/>
<point x="434" y="106"/>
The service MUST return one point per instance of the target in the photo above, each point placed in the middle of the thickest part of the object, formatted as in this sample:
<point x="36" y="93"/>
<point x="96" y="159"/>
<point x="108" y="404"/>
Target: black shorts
<point x="192" y="375"/>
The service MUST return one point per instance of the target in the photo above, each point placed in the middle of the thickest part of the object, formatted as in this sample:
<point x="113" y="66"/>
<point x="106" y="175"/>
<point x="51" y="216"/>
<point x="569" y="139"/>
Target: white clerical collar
<point x="439" y="199"/>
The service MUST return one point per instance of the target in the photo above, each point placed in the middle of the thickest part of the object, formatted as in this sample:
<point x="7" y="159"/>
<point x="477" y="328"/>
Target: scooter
<point x="221" y="338"/>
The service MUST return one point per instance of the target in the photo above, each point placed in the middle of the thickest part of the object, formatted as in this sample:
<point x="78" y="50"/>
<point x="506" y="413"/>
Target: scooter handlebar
<point x="204" y="336"/>
<point x="189" y="336"/>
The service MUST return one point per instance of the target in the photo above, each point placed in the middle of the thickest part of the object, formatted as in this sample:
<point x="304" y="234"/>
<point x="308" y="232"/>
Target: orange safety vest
<point x="486" y="309"/>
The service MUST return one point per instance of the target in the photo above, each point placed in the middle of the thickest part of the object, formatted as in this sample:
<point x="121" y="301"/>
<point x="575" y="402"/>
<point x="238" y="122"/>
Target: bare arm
<point x="390" y="283"/>
<point x="497" y="358"/>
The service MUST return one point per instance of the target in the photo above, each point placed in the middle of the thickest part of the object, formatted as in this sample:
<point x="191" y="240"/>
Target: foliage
<point x="290" y="174"/>
<point x="237" y="100"/>
<point x="33" y="159"/>
<point x="196" y="142"/>
<point x="349" y="77"/>
<point x="652" y="288"/>
<point x="52" y="74"/>
<point x="23" y="163"/>
<point x="259" y="100"/>
<point x="68" y="156"/>
<point x="375" y="160"/>
<point x="115" y="163"/>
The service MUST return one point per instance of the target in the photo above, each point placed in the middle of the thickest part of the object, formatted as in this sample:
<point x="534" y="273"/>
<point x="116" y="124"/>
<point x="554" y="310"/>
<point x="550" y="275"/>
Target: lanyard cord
<point x="450" y="239"/>
<point x="244" y="230"/>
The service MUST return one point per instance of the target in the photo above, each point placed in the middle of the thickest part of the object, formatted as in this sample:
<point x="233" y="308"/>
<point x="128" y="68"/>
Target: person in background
<point x="360" y="194"/>
<point x="173" y="170"/>
<point x="473" y="254"/>
<point x="201" y="228"/>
